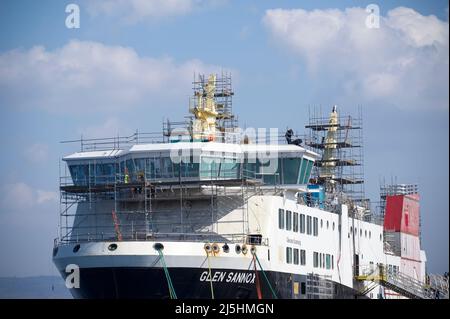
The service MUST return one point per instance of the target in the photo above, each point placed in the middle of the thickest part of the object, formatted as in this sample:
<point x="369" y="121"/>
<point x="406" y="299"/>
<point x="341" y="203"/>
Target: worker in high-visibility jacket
<point x="127" y="176"/>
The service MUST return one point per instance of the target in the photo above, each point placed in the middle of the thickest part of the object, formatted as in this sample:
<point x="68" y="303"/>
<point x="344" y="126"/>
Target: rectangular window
<point x="328" y="261"/>
<point x="320" y="260"/>
<point x="302" y="257"/>
<point x="316" y="260"/>
<point x="308" y="225"/>
<point x="303" y="288"/>
<point x="332" y="261"/>
<point x="288" y="220"/>
<point x="302" y="223"/>
<point x="323" y="260"/>
<point x="295" y="229"/>
<point x="281" y="218"/>
<point x="316" y="226"/>
<point x="290" y="170"/>
<point x="295" y="256"/>
<point x="289" y="255"/>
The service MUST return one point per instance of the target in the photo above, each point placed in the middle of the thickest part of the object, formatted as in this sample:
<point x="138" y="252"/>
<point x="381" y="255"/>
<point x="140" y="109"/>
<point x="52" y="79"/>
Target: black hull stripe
<point x="191" y="283"/>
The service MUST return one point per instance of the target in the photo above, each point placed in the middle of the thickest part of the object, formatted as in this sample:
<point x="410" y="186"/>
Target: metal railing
<point x="399" y="282"/>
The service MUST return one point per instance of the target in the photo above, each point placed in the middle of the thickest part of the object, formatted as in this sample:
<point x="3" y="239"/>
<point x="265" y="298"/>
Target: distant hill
<point x="42" y="287"/>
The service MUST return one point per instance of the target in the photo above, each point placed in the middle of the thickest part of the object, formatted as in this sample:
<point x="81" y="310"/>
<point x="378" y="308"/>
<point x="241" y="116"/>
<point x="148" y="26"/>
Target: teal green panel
<point x="303" y="170"/>
<point x="308" y="172"/>
<point x="290" y="170"/>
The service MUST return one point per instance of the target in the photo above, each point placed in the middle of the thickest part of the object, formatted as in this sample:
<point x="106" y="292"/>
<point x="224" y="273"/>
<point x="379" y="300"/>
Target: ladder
<point x="403" y="284"/>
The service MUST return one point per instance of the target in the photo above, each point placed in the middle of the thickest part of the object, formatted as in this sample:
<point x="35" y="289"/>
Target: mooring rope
<point x="172" y="293"/>
<point x="258" y="285"/>
<point x="210" y="276"/>
<point x="265" y="277"/>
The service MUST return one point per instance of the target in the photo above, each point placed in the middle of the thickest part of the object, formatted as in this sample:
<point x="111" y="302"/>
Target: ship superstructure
<point x="209" y="211"/>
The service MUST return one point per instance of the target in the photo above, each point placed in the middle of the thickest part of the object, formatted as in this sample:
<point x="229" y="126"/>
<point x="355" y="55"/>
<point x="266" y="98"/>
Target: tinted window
<point x="316" y="259"/>
<point x="308" y="225"/>
<point x="281" y="218"/>
<point x="316" y="226"/>
<point x="288" y="220"/>
<point x="302" y="257"/>
<point x="302" y="223"/>
<point x="296" y="259"/>
<point x="295" y="222"/>
<point x="289" y="255"/>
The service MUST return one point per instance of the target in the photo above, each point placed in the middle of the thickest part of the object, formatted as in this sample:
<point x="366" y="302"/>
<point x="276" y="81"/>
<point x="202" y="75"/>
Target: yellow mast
<point x="204" y="110"/>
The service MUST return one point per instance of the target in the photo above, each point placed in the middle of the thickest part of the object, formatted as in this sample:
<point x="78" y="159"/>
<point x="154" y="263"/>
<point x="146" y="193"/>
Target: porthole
<point x="237" y="248"/>
<point x="226" y="248"/>
<point x="156" y="246"/>
<point x="113" y="247"/>
<point x="76" y="248"/>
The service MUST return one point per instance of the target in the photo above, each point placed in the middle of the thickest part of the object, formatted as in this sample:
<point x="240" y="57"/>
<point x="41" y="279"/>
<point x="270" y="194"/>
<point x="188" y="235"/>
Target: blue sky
<point x="128" y="67"/>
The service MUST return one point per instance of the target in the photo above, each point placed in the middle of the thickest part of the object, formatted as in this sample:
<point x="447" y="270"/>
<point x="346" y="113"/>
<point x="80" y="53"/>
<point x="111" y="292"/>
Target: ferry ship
<point x="207" y="210"/>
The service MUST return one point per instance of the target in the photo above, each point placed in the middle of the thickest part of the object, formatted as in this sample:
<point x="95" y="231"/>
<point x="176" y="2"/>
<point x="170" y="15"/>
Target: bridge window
<point x="290" y="170"/>
<point x="79" y="174"/>
<point x="281" y="218"/>
<point x="308" y="172"/>
<point x="270" y="172"/>
<point x="219" y="167"/>
<point x="303" y="166"/>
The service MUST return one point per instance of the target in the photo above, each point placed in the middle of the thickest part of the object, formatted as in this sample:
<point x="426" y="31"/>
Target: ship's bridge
<point x="270" y="164"/>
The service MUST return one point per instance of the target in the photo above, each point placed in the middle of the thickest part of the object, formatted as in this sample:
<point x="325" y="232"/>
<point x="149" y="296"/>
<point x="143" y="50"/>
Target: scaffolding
<point x="339" y="141"/>
<point x="212" y="97"/>
<point x="319" y="286"/>
<point x="141" y="208"/>
<point x="223" y="98"/>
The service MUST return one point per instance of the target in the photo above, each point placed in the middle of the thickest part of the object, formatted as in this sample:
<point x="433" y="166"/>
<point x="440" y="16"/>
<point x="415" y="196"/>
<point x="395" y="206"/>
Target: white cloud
<point x="133" y="11"/>
<point x="46" y="196"/>
<point x="110" y="127"/>
<point x="90" y="76"/>
<point x="404" y="62"/>
<point x="37" y="153"/>
<point x="20" y="196"/>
